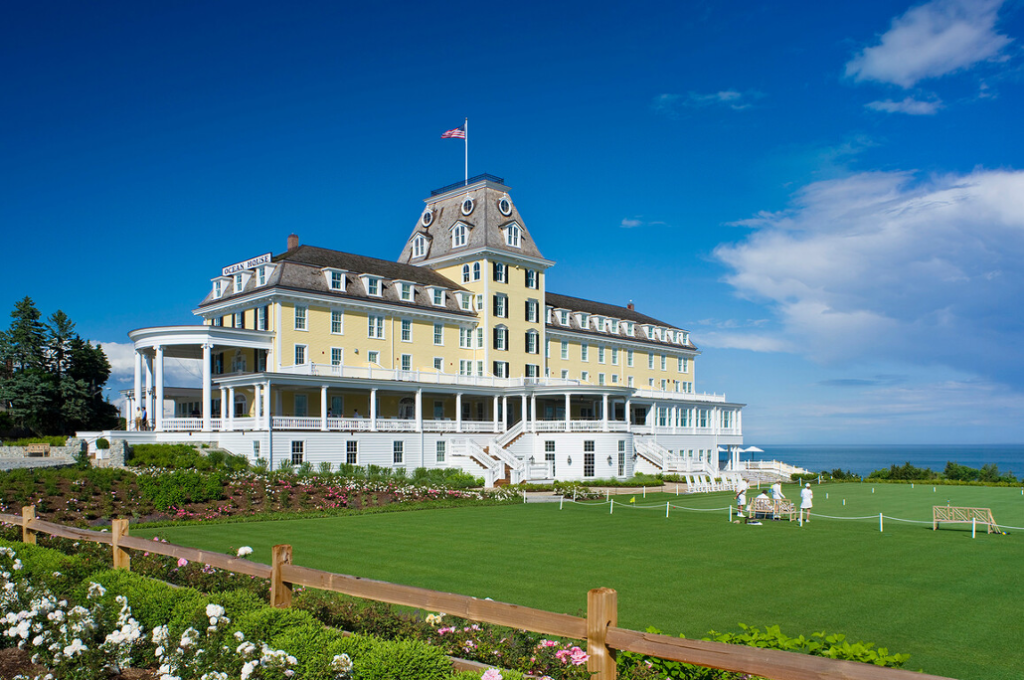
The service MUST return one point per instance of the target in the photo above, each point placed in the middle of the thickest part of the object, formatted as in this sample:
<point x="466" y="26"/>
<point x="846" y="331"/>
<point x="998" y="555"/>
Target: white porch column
<point x="533" y="411"/>
<point x="223" y="404"/>
<point x="206" y="387"/>
<point x="419" y="410"/>
<point x="257" y="406"/>
<point x="675" y="416"/>
<point x="504" y="413"/>
<point x="323" y="408"/>
<point x="494" y="412"/>
<point x="158" y="411"/>
<point x="524" y="412"/>
<point x="138" y="391"/>
<point x="629" y="416"/>
<point x="604" y="412"/>
<point x="267" y="413"/>
<point x="458" y="411"/>
<point x="148" y="399"/>
<point x="373" y="409"/>
<point x="568" y="413"/>
<point x="231" y="409"/>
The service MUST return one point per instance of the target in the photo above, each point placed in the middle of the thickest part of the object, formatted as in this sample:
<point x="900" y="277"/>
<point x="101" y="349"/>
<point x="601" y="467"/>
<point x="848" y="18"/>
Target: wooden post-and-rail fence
<point x="599" y="629"/>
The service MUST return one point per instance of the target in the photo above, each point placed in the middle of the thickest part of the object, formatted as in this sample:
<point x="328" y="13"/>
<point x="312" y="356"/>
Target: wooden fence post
<point x="28" y="513"/>
<point x="280" y="592"/>
<point x="602" y="613"/>
<point x="122" y="560"/>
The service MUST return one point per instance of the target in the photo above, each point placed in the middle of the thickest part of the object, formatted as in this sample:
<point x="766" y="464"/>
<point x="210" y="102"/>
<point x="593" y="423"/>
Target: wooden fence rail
<point x="599" y="628"/>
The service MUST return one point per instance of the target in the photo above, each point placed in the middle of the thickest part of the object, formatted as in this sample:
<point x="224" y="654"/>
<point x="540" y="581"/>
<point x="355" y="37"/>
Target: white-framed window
<point x="261" y="276"/>
<point x="373" y="286"/>
<point x="532" y="371"/>
<point x="600" y="354"/>
<point x="438" y="297"/>
<point x="459" y="234"/>
<point x="373" y="357"/>
<point x="375" y="327"/>
<point x="298" y="452"/>
<point x="480" y="339"/>
<point x="563" y="317"/>
<point x="300" y="355"/>
<point x="479" y="302"/>
<point x="583" y="320"/>
<point x="238" y="320"/>
<point x="476" y="271"/>
<point x="466" y="302"/>
<point x="650" y="361"/>
<point x="615" y="356"/>
<point x="439" y="451"/>
<point x="565" y="349"/>
<point x="406" y="330"/>
<point x="684" y="365"/>
<point x="405" y="292"/>
<point x="513" y="234"/>
<point x="300" y="318"/>
<point x="337" y="280"/>
<point x="261" y="318"/>
<point x="547" y="350"/>
<point x="585" y="376"/>
<point x="256" y="448"/>
<point x="406" y="362"/>
<point x="438" y="363"/>
<point x="466" y="338"/>
<point x="501" y="338"/>
<point x="238" y="362"/>
<point x="419" y="246"/>
<point x="629" y="358"/>
<point x="465" y="367"/>
<point x="337" y="354"/>
<point x="686" y="338"/>
<point x="675" y="385"/>
<point x="650" y="383"/>
<point x="664" y="384"/>
<point x="238" y="283"/>
<point x="337" y="322"/>
<point x="664" y="362"/>
<point x="565" y="374"/>
<point x="532" y="339"/>
<point x="501" y="305"/>
<point x="615" y="326"/>
<point x="439" y="334"/>
<point x="532" y="279"/>
<point x="584" y="352"/>
<point x="600" y="378"/>
<point x="352" y="452"/>
<point x="500" y="272"/>
<point x="217" y="288"/>
<point x="629" y="328"/>
<point x="465" y="273"/>
<point x="615" y="378"/>
<point x="532" y="311"/>
<point x="629" y="381"/>
<point x="501" y="369"/>
<point x="398" y="452"/>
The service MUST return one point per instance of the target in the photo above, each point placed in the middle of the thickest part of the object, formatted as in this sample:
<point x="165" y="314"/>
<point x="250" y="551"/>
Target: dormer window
<point x="238" y="282"/>
<point x="372" y="284"/>
<point x="629" y="328"/>
<point x="615" y="325"/>
<point x="563" y="317"/>
<point x="217" y="288"/>
<point x="466" y="301"/>
<point x="437" y="296"/>
<point x="583" y="320"/>
<point x="459" y="235"/>
<point x="598" y="323"/>
<point x="649" y="332"/>
<point x="513" y="235"/>
<point x="686" y="338"/>
<point x="335" y="278"/>
<point x="419" y="246"/>
<point x="261" y="276"/>
<point x="405" y="291"/>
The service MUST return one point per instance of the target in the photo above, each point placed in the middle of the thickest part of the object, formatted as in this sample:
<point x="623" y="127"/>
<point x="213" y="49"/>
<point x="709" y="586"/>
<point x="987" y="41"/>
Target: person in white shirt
<point x="741" y="497"/>
<point x="806" y="502"/>
<point x="777" y="492"/>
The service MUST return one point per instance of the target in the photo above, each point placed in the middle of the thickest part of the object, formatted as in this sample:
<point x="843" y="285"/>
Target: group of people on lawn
<point x="806" y="498"/>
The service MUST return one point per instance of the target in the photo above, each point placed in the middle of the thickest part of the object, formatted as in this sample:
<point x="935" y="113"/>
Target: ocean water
<point x="864" y="459"/>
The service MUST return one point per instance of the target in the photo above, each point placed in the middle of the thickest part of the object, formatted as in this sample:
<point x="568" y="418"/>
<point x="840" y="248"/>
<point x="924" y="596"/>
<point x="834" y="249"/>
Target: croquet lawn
<point x="951" y="601"/>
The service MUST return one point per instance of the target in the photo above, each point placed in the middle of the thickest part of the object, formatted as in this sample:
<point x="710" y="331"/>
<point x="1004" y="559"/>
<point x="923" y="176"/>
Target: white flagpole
<point x="466" y="130"/>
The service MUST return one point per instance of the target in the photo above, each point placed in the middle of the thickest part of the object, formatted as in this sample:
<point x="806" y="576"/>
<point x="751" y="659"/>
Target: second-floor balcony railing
<point x="428" y="377"/>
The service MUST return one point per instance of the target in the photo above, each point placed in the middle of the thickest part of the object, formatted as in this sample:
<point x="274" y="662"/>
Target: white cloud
<point x="177" y="372"/>
<point x="909" y="106"/>
<point x="932" y="40"/>
<point x="631" y="223"/>
<point x="881" y="266"/>
<point x="669" y="104"/>
<point x="752" y="342"/>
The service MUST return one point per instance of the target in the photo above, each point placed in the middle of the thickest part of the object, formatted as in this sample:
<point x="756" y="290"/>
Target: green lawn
<point x="950" y="601"/>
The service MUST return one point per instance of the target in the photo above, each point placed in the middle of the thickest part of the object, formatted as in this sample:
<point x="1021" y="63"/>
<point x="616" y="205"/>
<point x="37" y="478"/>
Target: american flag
<point x="457" y="133"/>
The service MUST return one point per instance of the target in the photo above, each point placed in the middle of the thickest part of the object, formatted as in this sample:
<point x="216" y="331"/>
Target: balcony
<point x="421" y="377"/>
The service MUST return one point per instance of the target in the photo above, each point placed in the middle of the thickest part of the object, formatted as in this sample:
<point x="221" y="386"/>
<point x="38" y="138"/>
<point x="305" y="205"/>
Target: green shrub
<point x="153" y="602"/>
<point x="238" y="602"/>
<point x="52" y="441"/>
<point x="102" y="443"/>
<point x="51" y="568"/>
<point x="268" y="622"/>
<point x="403" y="659"/>
<point x="178" y="487"/>
<point x="313" y="646"/>
<point x="449" y="478"/>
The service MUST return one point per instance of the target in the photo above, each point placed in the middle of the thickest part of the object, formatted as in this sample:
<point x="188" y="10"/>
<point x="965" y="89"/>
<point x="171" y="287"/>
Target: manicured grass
<point x="951" y="602"/>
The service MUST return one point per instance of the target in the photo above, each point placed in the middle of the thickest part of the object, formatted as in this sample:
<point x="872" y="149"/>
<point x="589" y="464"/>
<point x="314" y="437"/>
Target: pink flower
<point x="182" y="561"/>
<point x="491" y="674"/>
<point x="578" y="656"/>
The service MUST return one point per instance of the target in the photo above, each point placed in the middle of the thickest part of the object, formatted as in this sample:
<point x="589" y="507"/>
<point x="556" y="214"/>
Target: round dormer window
<point x="427" y="218"/>
<point x="467" y="206"/>
<point x="505" y="206"/>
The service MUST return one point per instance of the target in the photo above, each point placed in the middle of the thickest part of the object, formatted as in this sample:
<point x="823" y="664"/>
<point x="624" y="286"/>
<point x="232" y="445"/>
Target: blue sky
<point x="829" y="196"/>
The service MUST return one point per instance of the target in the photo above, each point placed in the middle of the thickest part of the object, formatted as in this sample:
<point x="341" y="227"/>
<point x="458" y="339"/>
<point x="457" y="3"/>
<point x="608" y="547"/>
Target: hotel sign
<point x="248" y="264"/>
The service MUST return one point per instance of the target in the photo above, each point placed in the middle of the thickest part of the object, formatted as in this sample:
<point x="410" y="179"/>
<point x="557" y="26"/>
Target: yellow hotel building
<point x="456" y="355"/>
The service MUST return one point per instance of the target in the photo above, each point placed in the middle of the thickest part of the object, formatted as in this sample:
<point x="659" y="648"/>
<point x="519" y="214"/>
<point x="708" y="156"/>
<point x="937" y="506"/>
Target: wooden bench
<point x="766" y="508"/>
<point x="955" y="515"/>
<point x="38" y="449"/>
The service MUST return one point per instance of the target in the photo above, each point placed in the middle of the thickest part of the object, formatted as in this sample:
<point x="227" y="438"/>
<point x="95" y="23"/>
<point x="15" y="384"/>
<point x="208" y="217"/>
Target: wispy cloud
<point x="636" y="222"/>
<point x="177" y="372"/>
<point x="909" y="106"/>
<point x="749" y="341"/>
<point x="930" y="41"/>
<point x="670" y="104"/>
<point x="886" y="266"/>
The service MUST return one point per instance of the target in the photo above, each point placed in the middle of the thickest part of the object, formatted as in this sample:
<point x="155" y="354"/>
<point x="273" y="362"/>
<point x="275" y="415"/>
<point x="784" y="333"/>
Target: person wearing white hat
<point x="806" y="502"/>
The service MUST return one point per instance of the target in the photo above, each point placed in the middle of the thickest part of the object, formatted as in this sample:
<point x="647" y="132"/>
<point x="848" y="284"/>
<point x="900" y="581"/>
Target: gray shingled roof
<point x="300" y="269"/>
<point x="593" y="308"/>
<point x="485" y="224"/>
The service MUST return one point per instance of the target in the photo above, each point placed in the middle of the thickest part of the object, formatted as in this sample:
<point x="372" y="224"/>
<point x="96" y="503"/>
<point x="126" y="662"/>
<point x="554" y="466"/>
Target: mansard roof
<point x="301" y="269"/>
<point x="593" y="308"/>
<point x="486" y="222"/>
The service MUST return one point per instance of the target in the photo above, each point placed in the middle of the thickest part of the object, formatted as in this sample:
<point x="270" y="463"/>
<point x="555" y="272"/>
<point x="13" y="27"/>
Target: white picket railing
<point x="428" y="377"/>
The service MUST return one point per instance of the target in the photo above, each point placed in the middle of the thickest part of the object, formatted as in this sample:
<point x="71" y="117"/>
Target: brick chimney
<point x="630" y="306"/>
<point x="293" y="241"/>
